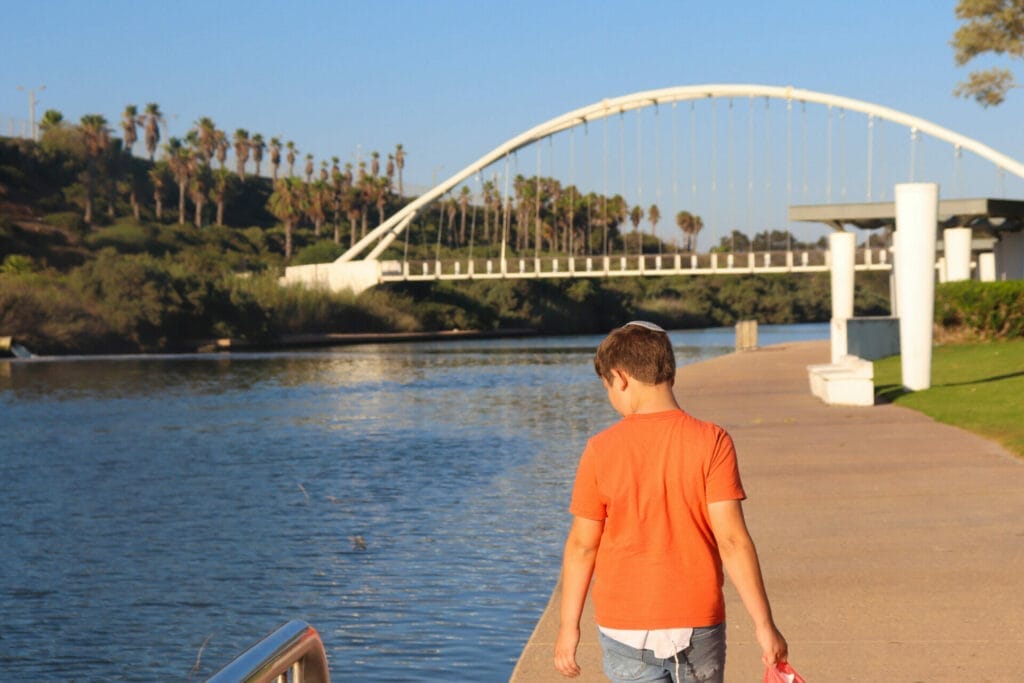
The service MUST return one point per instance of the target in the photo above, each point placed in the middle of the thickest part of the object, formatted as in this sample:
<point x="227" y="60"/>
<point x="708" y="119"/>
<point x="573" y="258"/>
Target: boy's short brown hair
<point x="642" y="350"/>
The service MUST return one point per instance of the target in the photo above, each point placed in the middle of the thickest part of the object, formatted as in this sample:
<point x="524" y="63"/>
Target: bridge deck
<point x="624" y="266"/>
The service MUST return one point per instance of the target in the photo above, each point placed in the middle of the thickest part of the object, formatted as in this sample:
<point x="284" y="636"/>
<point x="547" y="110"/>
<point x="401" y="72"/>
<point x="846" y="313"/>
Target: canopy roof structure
<point x="986" y="214"/>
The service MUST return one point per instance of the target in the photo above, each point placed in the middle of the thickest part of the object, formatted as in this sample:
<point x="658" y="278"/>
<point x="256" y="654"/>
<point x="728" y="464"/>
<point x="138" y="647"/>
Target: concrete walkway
<point x="892" y="545"/>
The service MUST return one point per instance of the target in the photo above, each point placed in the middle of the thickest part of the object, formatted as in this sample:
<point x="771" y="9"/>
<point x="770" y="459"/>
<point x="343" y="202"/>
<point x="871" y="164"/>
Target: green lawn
<point x="979" y="387"/>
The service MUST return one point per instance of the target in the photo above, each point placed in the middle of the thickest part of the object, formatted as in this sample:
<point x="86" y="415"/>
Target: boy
<point x="657" y="514"/>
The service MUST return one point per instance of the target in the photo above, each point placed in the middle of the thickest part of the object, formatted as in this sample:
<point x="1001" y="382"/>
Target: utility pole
<point x="32" y="108"/>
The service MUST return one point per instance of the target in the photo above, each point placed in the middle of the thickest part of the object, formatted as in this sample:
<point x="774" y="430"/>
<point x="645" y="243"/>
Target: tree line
<point x="541" y="214"/>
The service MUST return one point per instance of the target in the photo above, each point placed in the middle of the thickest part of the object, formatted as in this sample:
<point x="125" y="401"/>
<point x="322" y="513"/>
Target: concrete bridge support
<point x="1009" y="253"/>
<point x="957" y="247"/>
<point x="917" y="207"/>
<point x="842" y="247"/>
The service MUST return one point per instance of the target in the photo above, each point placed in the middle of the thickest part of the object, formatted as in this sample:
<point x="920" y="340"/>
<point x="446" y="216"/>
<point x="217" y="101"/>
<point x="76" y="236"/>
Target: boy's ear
<point x="620" y="377"/>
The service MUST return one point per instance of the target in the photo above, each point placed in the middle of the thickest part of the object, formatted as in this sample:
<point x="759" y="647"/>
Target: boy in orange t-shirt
<point x="657" y="513"/>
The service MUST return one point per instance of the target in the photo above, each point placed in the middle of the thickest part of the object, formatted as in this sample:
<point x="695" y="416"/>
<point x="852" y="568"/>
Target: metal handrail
<point x="292" y="653"/>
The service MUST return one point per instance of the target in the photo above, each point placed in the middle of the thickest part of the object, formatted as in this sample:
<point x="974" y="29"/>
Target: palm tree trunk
<point x="288" y="239"/>
<point x="220" y="211"/>
<point x="181" y="203"/>
<point x="158" y="201"/>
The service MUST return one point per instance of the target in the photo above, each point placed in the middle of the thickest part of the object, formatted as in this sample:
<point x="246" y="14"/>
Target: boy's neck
<point x="630" y="396"/>
<point x="652" y="398"/>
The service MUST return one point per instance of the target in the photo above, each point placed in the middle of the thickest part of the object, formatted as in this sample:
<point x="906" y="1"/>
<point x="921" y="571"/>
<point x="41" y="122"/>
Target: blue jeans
<point x="702" y="662"/>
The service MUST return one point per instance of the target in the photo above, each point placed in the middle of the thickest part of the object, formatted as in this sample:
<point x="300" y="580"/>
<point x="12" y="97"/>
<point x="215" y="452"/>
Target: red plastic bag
<point x="782" y="673"/>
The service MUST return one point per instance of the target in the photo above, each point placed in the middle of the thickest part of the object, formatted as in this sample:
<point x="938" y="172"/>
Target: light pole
<point x="32" y="107"/>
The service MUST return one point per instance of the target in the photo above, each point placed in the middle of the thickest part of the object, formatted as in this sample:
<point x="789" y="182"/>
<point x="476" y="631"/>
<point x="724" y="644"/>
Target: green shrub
<point x="66" y="220"/>
<point x="127" y="238"/>
<point x="990" y="310"/>
<point x="323" y="251"/>
<point x="17" y="264"/>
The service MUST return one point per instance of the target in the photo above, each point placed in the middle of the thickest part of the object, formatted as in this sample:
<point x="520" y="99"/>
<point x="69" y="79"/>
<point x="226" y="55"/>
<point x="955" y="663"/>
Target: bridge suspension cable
<point x="377" y="240"/>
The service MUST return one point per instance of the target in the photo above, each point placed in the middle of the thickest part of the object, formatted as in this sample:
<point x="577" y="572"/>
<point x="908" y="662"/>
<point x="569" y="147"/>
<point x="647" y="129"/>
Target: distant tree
<point x="129" y="124"/>
<point x="179" y="163"/>
<point x="223" y="184"/>
<point x="324" y="175"/>
<point x="292" y="151"/>
<point x="375" y="164"/>
<point x="96" y="137"/>
<point x="158" y="179"/>
<point x="653" y="216"/>
<point x="309" y="168"/>
<point x="317" y="204"/>
<point x="152" y="119"/>
<point x="636" y="215"/>
<point x="199" y="185"/>
<point x="275" y="156"/>
<point x="256" y="146"/>
<point x="51" y="119"/>
<point x="241" y="144"/>
<point x="995" y="26"/>
<point x="400" y="163"/>
<point x="288" y="204"/>
<point x="690" y="225"/>
<point x="206" y="139"/>
<point x="222" y="146"/>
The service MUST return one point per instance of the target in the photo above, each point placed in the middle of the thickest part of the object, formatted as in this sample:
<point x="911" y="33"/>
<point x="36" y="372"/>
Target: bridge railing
<point x="292" y="653"/>
<point x="625" y="265"/>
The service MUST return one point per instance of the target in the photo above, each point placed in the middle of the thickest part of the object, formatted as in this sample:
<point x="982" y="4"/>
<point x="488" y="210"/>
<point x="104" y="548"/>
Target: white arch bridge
<point x="773" y="170"/>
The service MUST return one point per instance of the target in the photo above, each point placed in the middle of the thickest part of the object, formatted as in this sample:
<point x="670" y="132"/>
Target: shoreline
<point x="287" y="342"/>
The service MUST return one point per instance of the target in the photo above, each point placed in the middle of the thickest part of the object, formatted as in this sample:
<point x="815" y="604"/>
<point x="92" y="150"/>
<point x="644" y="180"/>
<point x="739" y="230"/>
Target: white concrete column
<point x="1009" y="251"/>
<point x="987" y="267"/>
<point x="842" y="246"/>
<point x="917" y="208"/>
<point x="957" y="248"/>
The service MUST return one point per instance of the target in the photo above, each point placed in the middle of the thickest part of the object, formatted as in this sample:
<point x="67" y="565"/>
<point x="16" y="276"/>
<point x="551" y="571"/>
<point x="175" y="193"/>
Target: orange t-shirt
<point x="650" y="477"/>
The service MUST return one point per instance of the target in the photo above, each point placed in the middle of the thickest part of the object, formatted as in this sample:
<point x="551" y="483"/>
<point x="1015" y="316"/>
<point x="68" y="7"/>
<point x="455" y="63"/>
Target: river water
<point x="160" y="514"/>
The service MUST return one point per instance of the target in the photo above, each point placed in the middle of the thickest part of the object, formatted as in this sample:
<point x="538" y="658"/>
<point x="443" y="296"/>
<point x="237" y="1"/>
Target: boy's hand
<point x="565" y="652"/>
<point x="774" y="648"/>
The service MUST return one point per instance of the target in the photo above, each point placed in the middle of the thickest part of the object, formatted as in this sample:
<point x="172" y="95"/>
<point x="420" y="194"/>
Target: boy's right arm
<point x="577" y="568"/>
<point x="739" y="557"/>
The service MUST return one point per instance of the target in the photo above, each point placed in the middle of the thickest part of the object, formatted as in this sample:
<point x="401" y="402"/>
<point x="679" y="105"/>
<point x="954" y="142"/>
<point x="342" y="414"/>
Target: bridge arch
<point x="385" y="233"/>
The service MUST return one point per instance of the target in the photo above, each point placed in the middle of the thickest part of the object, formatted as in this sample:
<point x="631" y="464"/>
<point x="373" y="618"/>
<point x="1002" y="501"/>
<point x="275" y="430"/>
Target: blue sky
<point x="451" y="80"/>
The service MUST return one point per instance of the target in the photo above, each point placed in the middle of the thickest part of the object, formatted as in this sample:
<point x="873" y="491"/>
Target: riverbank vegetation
<point x="105" y="251"/>
<point x="976" y="386"/>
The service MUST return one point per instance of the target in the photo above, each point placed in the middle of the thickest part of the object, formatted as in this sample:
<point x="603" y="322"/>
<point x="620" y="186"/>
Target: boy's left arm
<point x="739" y="557"/>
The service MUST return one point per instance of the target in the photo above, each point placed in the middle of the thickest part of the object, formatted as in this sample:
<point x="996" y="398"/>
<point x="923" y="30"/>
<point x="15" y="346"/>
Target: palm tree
<point x="635" y="216"/>
<point x="153" y="118"/>
<point x="463" y="205"/>
<point x="129" y="124"/>
<point x="223" y="183"/>
<point x="653" y="216"/>
<point x="198" y="187"/>
<point x="690" y="225"/>
<point x="309" y="168"/>
<point x="275" y="156"/>
<point x="179" y="162"/>
<point x="380" y="196"/>
<point x="222" y="145"/>
<point x="288" y="204"/>
<point x="319" y="200"/>
<point x="96" y="138"/>
<point x="324" y="175"/>
<point x="291" y="157"/>
<point x="257" y="145"/>
<point x="51" y="119"/>
<point x="375" y="164"/>
<point x="158" y="178"/>
<point x="400" y="163"/>
<point x="206" y="139"/>
<point x="389" y="170"/>
<point x="241" y="144"/>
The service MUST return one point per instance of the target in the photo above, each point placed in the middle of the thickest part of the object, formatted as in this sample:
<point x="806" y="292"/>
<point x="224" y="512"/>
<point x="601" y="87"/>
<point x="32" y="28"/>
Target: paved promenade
<point x="892" y="545"/>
